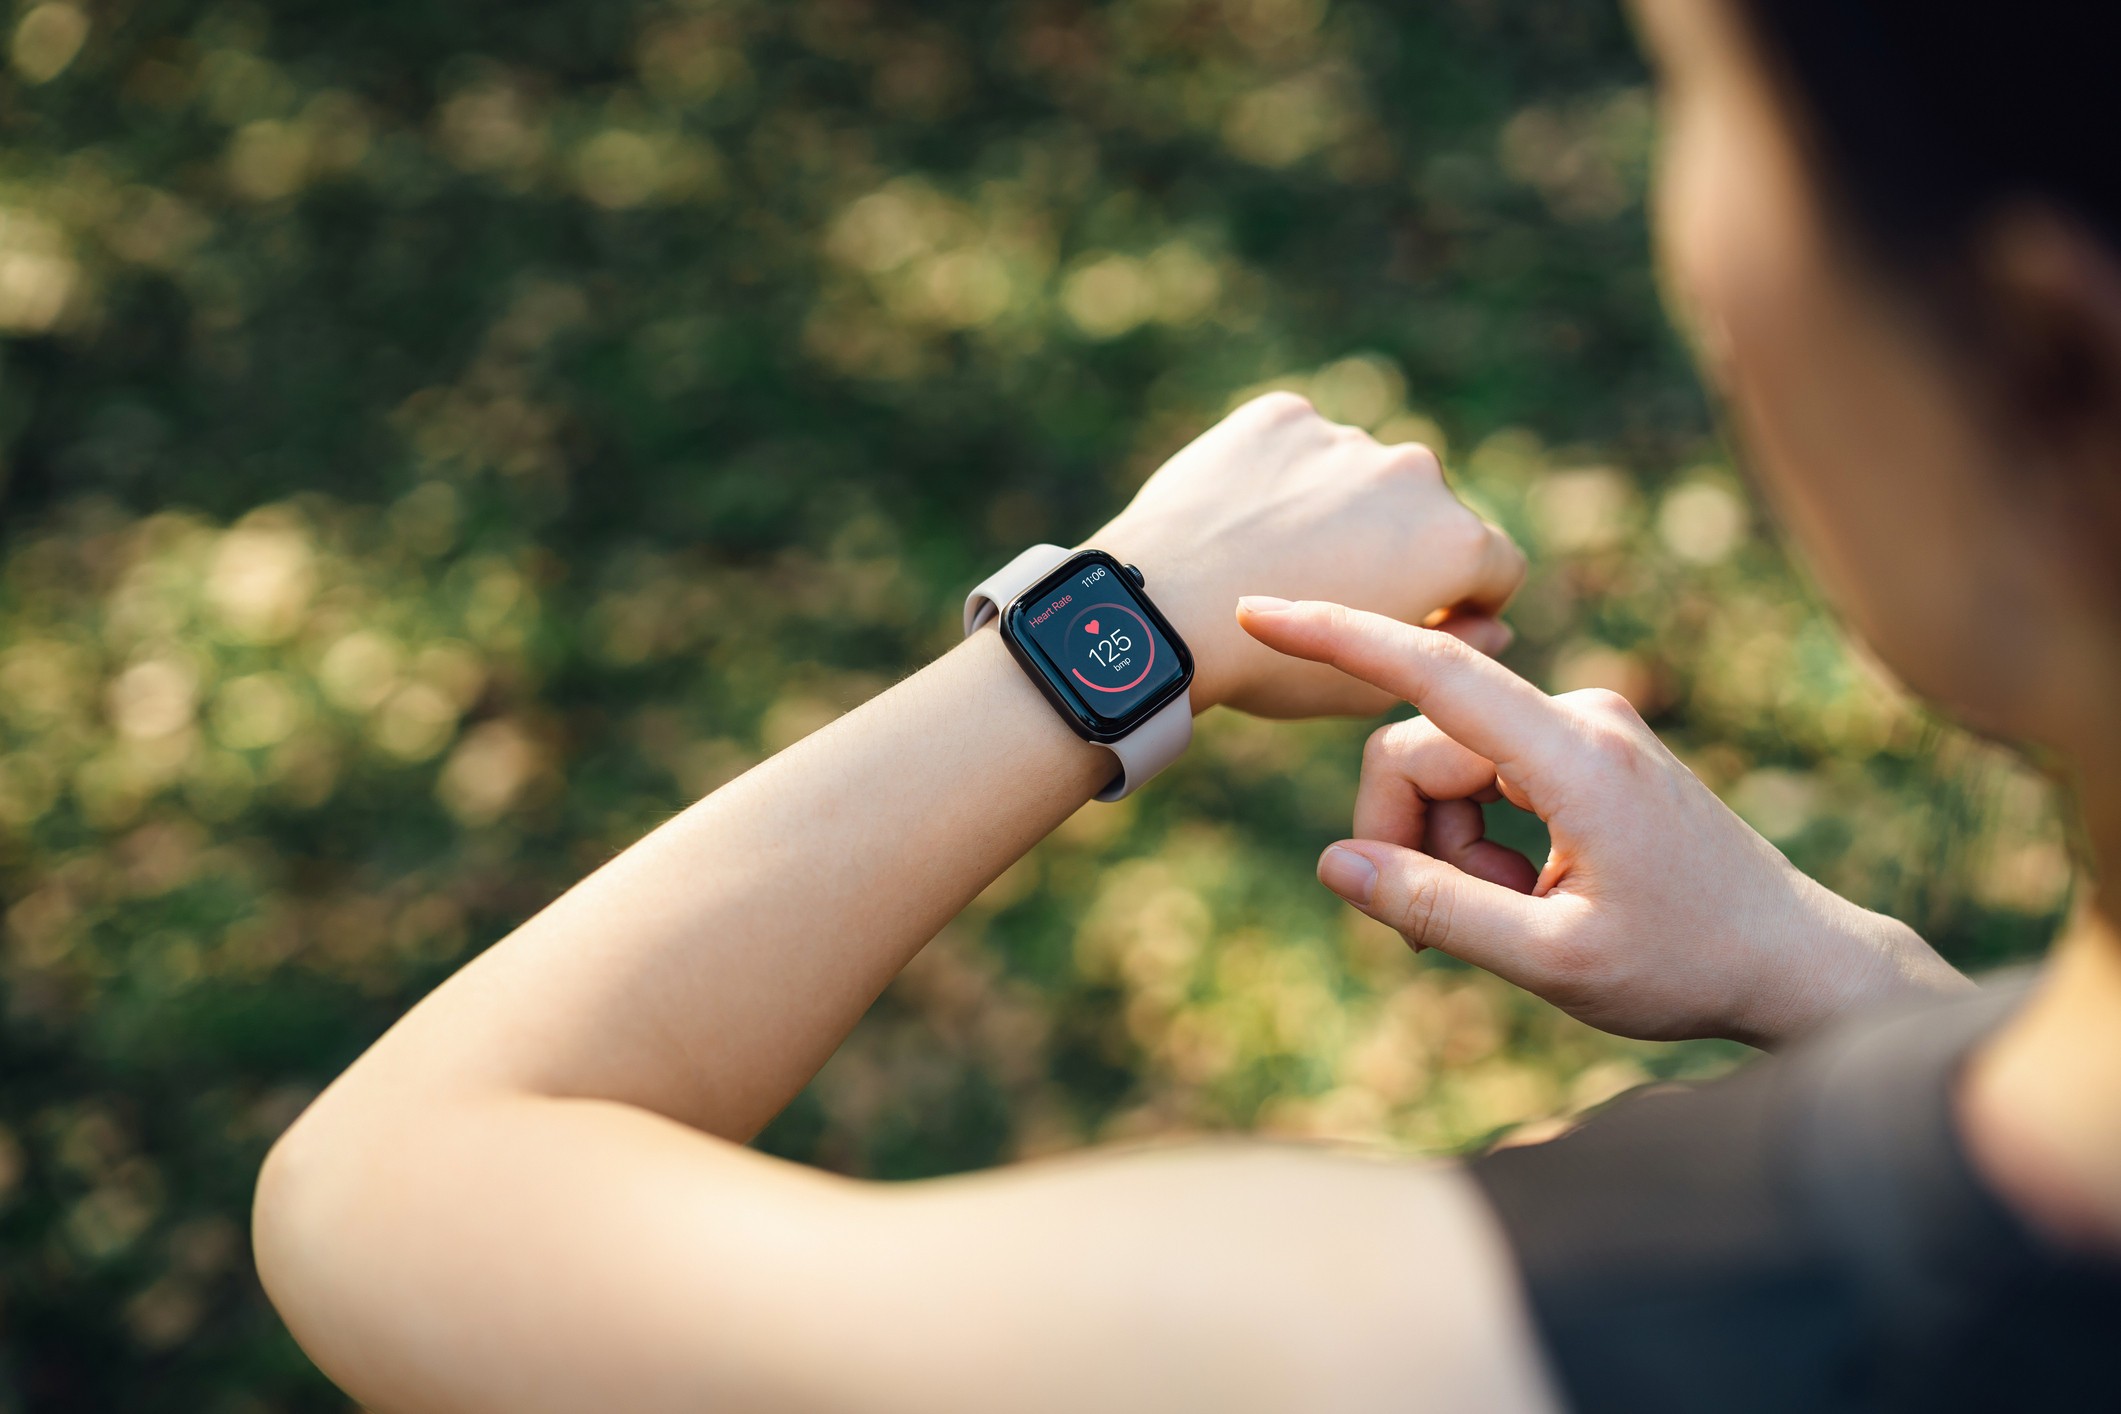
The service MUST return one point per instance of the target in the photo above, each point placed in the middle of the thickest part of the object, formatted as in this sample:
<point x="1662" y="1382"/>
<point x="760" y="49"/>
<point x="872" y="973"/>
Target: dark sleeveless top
<point x="1805" y="1235"/>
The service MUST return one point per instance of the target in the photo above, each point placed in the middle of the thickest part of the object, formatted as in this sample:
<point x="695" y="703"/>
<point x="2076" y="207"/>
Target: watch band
<point x="996" y="590"/>
<point x="1150" y="747"/>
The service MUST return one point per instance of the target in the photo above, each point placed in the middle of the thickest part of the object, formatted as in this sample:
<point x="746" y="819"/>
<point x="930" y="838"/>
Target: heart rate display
<point x="1112" y="656"/>
<point x="1093" y="630"/>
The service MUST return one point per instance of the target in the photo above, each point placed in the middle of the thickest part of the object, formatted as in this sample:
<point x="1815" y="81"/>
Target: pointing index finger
<point x="1474" y="699"/>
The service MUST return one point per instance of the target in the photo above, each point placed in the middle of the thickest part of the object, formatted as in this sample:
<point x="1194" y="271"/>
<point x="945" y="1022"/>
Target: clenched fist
<point x="1274" y="499"/>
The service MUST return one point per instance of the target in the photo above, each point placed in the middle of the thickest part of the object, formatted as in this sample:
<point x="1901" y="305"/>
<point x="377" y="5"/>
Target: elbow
<point x="350" y="1225"/>
<point x="314" y="1238"/>
<point x="291" y="1218"/>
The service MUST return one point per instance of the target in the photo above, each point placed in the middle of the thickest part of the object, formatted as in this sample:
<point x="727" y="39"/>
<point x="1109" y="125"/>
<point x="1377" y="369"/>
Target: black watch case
<point x="1045" y="620"/>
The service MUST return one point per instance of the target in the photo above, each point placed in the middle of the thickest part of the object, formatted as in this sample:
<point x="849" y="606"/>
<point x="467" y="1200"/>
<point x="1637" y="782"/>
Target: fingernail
<point x="1348" y="874"/>
<point x="1262" y="604"/>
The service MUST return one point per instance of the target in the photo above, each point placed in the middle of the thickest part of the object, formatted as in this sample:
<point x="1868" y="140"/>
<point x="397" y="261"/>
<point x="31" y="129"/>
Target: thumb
<point x="1434" y="904"/>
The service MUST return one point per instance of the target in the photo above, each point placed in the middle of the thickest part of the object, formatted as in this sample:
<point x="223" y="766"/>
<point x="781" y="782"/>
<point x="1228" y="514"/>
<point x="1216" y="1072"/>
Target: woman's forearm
<point x="507" y="1203"/>
<point x="706" y="973"/>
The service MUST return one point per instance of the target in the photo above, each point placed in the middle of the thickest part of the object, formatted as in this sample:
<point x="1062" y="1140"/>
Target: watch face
<point x="1101" y="642"/>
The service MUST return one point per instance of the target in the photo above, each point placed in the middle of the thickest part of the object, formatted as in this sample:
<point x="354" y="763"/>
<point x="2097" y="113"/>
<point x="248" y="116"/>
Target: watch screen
<point x="1091" y="627"/>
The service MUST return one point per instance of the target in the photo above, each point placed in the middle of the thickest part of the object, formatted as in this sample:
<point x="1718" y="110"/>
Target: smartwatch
<point x="1079" y="625"/>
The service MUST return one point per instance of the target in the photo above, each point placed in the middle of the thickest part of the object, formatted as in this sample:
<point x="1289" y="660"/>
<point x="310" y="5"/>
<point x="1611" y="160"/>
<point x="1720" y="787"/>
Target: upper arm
<point x="524" y="1253"/>
<point x="1232" y="1277"/>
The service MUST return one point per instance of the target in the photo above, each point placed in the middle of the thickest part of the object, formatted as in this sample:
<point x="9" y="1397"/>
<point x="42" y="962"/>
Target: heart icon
<point x="1090" y="627"/>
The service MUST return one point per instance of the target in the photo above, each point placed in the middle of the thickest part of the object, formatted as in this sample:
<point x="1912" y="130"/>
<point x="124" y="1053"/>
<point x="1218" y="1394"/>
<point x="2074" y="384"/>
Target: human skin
<point x="532" y="1193"/>
<point x="1657" y="912"/>
<point x="1951" y="503"/>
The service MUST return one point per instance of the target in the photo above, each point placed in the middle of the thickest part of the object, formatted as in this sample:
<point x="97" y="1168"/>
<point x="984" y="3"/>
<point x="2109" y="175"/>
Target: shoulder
<point x="1806" y="1233"/>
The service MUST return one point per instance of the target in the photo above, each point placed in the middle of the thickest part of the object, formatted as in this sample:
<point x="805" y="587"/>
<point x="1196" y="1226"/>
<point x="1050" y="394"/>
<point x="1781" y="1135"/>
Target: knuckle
<point x="1610" y="734"/>
<point x="1513" y="555"/>
<point x="1412" y="459"/>
<point x="1388" y="748"/>
<point x="1449" y="653"/>
<point x="1464" y="537"/>
<point x="1605" y="704"/>
<point x="1422" y="910"/>
<point x="1281" y="405"/>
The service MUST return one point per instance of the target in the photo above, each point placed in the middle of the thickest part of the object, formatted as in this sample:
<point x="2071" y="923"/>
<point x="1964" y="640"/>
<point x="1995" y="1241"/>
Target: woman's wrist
<point x="1858" y="959"/>
<point x="1203" y="613"/>
<point x="1014" y="706"/>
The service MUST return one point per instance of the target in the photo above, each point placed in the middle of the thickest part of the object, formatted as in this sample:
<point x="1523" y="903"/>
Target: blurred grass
<point x="442" y="440"/>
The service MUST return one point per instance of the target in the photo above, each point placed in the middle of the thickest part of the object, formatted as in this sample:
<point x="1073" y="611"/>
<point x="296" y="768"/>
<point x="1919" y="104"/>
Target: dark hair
<point x="1929" y="115"/>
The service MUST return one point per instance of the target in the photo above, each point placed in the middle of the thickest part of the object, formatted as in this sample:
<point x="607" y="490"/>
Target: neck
<point x="2040" y="1101"/>
<point x="2040" y="1106"/>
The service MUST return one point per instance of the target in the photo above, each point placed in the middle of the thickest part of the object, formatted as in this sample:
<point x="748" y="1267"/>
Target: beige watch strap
<point x="1150" y="747"/>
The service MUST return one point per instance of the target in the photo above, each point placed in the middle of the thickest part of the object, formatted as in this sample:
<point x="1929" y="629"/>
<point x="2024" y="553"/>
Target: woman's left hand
<point x="1275" y="499"/>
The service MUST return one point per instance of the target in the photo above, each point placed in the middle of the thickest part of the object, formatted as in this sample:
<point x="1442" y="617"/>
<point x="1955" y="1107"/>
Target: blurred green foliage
<point x="441" y="440"/>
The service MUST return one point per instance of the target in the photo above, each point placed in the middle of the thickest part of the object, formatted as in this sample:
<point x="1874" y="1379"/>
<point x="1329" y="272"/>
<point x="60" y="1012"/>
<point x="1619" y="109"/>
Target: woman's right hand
<point x="1658" y="914"/>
